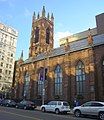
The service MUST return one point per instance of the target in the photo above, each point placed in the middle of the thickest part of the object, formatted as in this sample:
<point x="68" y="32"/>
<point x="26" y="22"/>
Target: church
<point x="73" y="71"/>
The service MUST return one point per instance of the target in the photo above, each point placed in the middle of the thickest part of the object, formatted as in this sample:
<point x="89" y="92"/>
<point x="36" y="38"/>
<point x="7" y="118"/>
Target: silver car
<point x="56" y="106"/>
<point x="95" y="108"/>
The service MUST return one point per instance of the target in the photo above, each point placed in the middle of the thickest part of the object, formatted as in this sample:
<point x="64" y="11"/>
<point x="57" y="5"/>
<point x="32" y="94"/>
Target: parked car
<point x="8" y="103"/>
<point x="1" y="101"/>
<point x="24" y="104"/>
<point x="56" y="106"/>
<point x="95" y="108"/>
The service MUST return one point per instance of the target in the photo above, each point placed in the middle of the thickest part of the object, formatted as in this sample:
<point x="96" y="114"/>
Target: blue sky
<point x="71" y="16"/>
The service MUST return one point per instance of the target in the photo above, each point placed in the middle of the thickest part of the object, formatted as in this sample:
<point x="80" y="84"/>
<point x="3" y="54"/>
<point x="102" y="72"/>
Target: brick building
<point x="75" y="70"/>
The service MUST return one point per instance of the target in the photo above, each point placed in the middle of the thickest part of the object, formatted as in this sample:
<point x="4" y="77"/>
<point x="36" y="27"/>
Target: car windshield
<point x="65" y="104"/>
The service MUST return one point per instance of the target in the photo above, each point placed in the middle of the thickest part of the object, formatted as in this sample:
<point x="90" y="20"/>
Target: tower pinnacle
<point x="48" y="16"/>
<point x="52" y="18"/>
<point x="34" y="17"/>
<point x="21" y="55"/>
<point x="90" y="38"/>
<point x="38" y="16"/>
<point x="43" y="11"/>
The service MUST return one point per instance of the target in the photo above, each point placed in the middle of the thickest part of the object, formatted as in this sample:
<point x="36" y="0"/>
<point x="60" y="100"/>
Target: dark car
<point x="26" y="105"/>
<point x="8" y="103"/>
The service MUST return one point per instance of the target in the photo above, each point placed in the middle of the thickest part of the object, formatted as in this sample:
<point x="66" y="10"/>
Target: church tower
<point x="41" y="34"/>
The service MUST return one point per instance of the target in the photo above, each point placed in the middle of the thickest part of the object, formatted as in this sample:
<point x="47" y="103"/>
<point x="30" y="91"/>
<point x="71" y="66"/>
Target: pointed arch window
<point x="26" y="84"/>
<point x="37" y="34"/>
<point x="40" y="82"/>
<point x="47" y="35"/>
<point x="58" y="80"/>
<point x="80" y="78"/>
<point x="40" y="87"/>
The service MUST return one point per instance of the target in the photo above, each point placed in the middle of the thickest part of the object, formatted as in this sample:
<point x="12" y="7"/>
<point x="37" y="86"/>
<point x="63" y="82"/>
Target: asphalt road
<point x="7" y="113"/>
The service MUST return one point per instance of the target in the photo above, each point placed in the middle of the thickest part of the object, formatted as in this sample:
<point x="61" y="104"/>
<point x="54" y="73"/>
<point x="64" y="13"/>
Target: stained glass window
<point x="58" y="80"/>
<point x="26" y="84"/>
<point x="40" y="81"/>
<point x="80" y="78"/>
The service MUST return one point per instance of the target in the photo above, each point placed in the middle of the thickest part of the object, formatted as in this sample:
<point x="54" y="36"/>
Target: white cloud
<point x="58" y="36"/>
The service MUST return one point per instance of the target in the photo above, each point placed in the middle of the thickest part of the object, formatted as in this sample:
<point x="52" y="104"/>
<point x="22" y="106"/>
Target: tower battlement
<point x="43" y="15"/>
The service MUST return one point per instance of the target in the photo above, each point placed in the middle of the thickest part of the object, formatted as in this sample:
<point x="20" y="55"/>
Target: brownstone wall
<point x="99" y="80"/>
<point x="68" y="63"/>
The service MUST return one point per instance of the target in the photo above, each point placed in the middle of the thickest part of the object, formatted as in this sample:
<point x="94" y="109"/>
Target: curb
<point x="38" y="108"/>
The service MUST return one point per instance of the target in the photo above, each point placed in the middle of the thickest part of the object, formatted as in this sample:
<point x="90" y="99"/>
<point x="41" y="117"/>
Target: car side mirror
<point x="82" y="105"/>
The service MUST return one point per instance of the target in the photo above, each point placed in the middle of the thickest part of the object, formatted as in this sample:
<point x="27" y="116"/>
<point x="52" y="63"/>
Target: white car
<point x="56" y="106"/>
<point x="95" y="108"/>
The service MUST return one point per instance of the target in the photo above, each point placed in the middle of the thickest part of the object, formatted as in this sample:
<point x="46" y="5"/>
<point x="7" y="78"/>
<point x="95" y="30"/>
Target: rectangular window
<point x="9" y="72"/>
<point x="2" y="58"/>
<point x="11" y="54"/>
<point x="1" y="64"/>
<point x="10" y="66"/>
<point x="0" y="70"/>
<point x="6" y="65"/>
<point x="6" y="71"/>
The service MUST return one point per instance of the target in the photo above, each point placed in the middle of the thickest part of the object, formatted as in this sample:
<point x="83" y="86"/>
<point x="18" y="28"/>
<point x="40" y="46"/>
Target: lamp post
<point x="43" y="96"/>
<point x="44" y="78"/>
<point x="43" y="91"/>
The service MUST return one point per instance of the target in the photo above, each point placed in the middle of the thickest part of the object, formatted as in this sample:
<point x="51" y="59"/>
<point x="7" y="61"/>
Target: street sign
<point x="41" y="77"/>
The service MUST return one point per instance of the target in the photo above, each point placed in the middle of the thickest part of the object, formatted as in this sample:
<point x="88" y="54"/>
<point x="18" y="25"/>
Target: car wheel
<point x="25" y="108"/>
<point x="43" y="109"/>
<point x="7" y="105"/>
<point x="57" y="111"/>
<point x="77" y="113"/>
<point x="16" y="106"/>
<point x="65" y="112"/>
<point x="32" y="108"/>
<point x="101" y="116"/>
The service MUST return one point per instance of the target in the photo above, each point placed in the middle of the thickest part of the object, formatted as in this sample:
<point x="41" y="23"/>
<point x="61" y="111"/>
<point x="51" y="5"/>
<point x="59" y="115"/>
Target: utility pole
<point x="44" y="72"/>
<point x="43" y="92"/>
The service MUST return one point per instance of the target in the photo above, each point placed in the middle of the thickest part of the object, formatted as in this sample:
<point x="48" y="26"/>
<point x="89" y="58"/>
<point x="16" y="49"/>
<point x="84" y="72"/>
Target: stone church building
<point x="75" y="70"/>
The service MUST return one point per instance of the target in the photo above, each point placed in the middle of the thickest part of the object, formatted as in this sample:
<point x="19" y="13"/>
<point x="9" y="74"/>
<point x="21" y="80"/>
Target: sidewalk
<point x="38" y="108"/>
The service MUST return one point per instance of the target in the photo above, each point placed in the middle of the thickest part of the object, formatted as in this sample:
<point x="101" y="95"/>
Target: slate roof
<point x="74" y="46"/>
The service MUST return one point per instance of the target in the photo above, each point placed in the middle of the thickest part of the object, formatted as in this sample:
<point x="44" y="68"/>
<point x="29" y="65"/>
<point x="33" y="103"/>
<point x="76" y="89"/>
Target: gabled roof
<point x="74" y="46"/>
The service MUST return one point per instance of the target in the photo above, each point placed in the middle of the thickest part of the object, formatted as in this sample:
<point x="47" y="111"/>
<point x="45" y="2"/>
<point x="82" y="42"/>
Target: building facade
<point x="8" y="40"/>
<point x="73" y="71"/>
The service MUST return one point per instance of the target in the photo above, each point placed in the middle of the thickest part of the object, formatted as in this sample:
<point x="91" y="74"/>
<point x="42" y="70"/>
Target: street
<point x="7" y="113"/>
